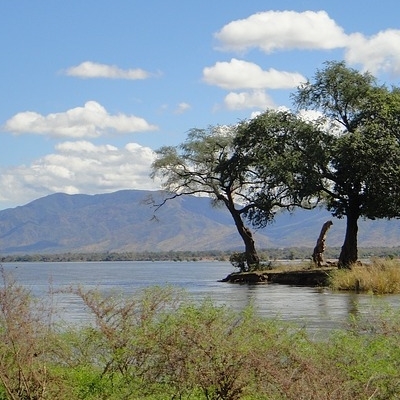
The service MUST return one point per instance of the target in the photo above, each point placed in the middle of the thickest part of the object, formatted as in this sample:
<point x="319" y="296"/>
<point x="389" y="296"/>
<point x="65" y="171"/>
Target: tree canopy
<point x="348" y="156"/>
<point x="340" y="146"/>
<point x="206" y="164"/>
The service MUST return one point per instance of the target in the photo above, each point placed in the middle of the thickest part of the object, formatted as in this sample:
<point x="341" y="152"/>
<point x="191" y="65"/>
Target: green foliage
<point x="184" y="255"/>
<point x="159" y="345"/>
<point x="281" y="149"/>
<point x="270" y="254"/>
<point x="238" y="260"/>
<point x="349" y="157"/>
<point x="194" y="166"/>
<point x="203" y="165"/>
<point x="368" y="353"/>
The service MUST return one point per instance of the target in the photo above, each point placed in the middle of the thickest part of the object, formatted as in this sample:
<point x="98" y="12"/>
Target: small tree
<point x="205" y="164"/>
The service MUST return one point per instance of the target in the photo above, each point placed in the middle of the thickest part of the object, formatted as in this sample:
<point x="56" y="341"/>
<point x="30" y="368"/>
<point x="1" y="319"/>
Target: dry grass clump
<point x="284" y="266"/>
<point x="381" y="276"/>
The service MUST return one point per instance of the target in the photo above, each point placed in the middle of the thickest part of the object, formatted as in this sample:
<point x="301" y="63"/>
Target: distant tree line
<point x="288" y="253"/>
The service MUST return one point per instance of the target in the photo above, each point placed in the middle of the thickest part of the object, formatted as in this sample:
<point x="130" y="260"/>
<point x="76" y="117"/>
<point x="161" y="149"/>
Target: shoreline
<point x="309" y="277"/>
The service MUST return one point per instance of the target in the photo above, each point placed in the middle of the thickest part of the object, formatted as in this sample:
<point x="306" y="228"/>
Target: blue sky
<point x="89" y="89"/>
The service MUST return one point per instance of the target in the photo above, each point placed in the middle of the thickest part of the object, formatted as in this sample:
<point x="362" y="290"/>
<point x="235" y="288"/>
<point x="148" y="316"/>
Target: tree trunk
<point x="318" y="253"/>
<point x="251" y="255"/>
<point x="349" y="252"/>
<point x="252" y="258"/>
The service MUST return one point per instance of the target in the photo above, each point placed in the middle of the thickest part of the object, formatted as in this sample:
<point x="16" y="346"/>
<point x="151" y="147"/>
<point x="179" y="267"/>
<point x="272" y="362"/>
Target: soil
<point x="304" y="277"/>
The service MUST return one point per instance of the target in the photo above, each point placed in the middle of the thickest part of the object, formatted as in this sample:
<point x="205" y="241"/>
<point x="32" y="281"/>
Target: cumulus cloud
<point x="287" y="30"/>
<point x="380" y="52"/>
<point x="255" y="99"/>
<point x="240" y="74"/>
<point x="89" y="69"/>
<point x="90" y="121"/>
<point x="80" y="167"/>
<point x="309" y="30"/>
<point x="282" y="30"/>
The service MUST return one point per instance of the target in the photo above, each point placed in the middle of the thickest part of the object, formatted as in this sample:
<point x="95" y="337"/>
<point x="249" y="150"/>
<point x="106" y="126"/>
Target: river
<point x="318" y="309"/>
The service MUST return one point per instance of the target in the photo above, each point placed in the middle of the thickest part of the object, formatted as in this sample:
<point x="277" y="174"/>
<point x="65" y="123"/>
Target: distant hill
<point x="124" y="221"/>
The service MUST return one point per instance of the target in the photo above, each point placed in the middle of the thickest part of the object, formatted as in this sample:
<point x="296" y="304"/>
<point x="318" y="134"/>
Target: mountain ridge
<point x="127" y="221"/>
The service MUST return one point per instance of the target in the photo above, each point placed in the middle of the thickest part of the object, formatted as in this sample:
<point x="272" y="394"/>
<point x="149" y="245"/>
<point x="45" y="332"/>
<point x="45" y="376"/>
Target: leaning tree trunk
<point x="349" y="252"/>
<point x="252" y="258"/>
<point x="250" y="252"/>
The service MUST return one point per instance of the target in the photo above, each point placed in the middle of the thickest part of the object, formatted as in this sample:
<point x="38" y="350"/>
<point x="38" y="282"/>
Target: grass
<point x="377" y="276"/>
<point x="380" y="276"/>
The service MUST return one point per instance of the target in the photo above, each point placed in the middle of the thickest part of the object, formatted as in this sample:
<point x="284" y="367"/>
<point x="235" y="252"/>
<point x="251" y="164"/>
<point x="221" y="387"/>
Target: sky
<point x="90" y="89"/>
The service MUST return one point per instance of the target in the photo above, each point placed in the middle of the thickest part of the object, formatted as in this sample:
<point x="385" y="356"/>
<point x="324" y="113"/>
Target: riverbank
<point x="299" y="277"/>
<point x="375" y="276"/>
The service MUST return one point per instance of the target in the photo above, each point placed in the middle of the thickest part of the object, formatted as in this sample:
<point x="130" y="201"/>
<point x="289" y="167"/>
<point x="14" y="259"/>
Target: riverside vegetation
<point x="158" y="344"/>
<point x="266" y="255"/>
<point x="380" y="276"/>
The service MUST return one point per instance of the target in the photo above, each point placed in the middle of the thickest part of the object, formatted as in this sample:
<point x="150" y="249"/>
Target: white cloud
<point x="380" y="52"/>
<point x="83" y="147"/>
<point x="282" y="30"/>
<point x="182" y="108"/>
<point x="240" y="74"/>
<point x="91" y="120"/>
<point x="89" y="69"/>
<point x="255" y="99"/>
<point x="309" y="30"/>
<point x="79" y="167"/>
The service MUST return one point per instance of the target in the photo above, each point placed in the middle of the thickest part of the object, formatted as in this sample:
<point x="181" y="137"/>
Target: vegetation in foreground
<point x="160" y="345"/>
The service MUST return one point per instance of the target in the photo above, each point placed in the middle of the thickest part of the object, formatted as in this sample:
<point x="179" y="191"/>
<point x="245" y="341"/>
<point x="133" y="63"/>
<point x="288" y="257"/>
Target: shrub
<point x="369" y="352"/>
<point x="25" y="341"/>
<point x="159" y="345"/>
<point x="238" y="260"/>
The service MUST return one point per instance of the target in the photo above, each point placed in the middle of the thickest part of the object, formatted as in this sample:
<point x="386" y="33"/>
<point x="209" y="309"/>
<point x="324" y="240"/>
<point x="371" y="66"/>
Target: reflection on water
<point x="318" y="309"/>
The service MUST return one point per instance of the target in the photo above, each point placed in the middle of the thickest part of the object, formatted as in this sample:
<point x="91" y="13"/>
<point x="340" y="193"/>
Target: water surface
<point x="315" y="308"/>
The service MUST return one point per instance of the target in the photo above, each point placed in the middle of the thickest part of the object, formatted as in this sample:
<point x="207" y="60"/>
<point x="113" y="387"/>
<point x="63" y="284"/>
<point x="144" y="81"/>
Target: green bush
<point x="159" y="345"/>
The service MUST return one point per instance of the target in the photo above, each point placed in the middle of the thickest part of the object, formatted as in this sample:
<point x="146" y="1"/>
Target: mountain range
<point x="127" y="221"/>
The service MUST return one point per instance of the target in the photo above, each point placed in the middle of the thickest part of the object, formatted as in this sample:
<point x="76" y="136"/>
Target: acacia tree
<point x="349" y="156"/>
<point x="362" y="177"/>
<point x="205" y="164"/>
